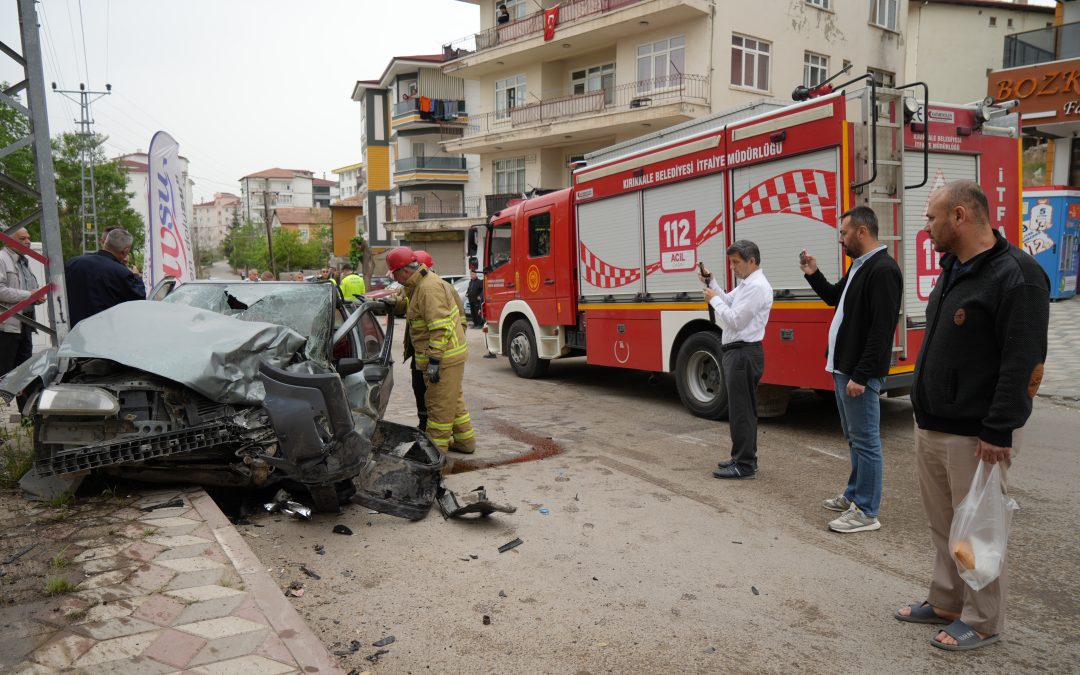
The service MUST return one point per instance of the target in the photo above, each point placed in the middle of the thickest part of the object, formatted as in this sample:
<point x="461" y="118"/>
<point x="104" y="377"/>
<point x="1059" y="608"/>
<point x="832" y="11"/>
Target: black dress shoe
<point x="733" y="471"/>
<point x="726" y="463"/>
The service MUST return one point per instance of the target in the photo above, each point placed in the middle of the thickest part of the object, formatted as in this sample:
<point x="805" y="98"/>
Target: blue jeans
<point x="860" y="417"/>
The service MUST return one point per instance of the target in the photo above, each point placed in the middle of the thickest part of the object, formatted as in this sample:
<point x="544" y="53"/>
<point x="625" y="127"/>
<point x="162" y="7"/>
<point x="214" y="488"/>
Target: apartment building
<point x="323" y="192"/>
<point x="612" y="70"/>
<point x="263" y="191"/>
<point x="136" y="164"/>
<point x="350" y="180"/>
<point x="213" y="219"/>
<point x="418" y="191"/>
<point x="306" y="222"/>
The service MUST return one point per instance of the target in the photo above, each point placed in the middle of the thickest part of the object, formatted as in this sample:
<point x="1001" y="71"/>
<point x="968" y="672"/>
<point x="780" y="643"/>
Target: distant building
<point x="136" y="164"/>
<point x="304" y="221"/>
<point x="347" y="216"/>
<point x="263" y="191"/>
<point x="323" y="191"/>
<point x="213" y="219"/>
<point x="351" y="180"/>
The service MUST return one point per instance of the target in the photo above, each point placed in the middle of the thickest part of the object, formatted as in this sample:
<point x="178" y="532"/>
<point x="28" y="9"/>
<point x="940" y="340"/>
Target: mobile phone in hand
<point x="802" y="257"/>
<point x="701" y="270"/>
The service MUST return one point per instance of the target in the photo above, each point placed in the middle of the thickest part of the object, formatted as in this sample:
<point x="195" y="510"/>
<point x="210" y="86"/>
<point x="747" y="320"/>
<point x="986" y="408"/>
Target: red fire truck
<point x="607" y="268"/>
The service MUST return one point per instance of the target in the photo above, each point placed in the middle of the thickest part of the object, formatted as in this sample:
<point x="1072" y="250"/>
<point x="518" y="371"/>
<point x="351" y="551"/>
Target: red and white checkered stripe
<point x="602" y="275"/>
<point x="806" y="192"/>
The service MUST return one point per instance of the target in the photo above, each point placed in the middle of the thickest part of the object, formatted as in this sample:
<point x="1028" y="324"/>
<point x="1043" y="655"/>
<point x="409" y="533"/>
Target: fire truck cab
<point x="607" y="268"/>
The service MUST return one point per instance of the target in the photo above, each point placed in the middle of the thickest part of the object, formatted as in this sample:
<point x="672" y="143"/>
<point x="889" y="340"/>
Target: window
<point x="509" y="93"/>
<point x="823" y="4"/>
<point x="571" y="160"/>
<point x="517" y="8"/>
<point x="499" y="251"/>
<point x="815" y="69"/>
<point x="304" y="234"/>
<point x="509" y="175"/>
<point x="750" y="62"/>
<point x="882" y="78"/>
<point x="883" y="13"/>
<point x="1008" y="22"/>
<point x="660" y="64"/>
<point x="596" y="78"/>
<point x="993" y="21"/>
<point x="540" y="235"/>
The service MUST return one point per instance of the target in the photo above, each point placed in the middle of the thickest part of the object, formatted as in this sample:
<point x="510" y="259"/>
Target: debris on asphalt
<point x="310" y="572"/>
<point x="576" y="497"/>
<point x="18" y="554"/>
<point x="475" y="501"/>
<point x="283" y="503"/>
<point x="320" y="549"/>
<point x="353" y="647"/>
<point x="755" y="590"/>
<point x="545" y="510"/>
<point x="502" y="594"/>
<point x="171" y="504"/>
<point x="487" y="620"/>
<point x="710" y="650"/>
<point x="388" y="640"/>
<point x="341" y="529"/>
<point x="473" y="556"/>
<point x="374" y="658"/>
<point x="510" y="544"/>
<point x="735" y="542"/>
<point x="296" y="590"/>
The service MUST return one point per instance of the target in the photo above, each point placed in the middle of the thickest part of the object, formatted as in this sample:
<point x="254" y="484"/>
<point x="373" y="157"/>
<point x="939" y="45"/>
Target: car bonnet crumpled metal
<point x="217" y="356"/>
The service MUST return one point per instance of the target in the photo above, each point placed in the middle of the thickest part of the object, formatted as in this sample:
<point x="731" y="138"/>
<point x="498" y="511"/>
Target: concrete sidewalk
<point x="1062" y="379"/>
<point x="164" y="590"/>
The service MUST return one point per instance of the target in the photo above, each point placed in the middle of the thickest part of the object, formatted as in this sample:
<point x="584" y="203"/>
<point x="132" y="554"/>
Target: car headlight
<point x="65" y="399"/>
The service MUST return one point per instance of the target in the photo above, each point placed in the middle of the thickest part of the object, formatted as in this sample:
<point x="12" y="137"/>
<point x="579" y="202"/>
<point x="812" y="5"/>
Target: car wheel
<point x="324" y="498"/>
<point x="524" y="358"/>
<point x="699" y="376"/>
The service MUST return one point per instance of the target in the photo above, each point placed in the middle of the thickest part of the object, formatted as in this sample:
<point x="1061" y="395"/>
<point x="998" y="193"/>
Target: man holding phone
<point x="867" y="301"/>
<point x="742" y="315"/>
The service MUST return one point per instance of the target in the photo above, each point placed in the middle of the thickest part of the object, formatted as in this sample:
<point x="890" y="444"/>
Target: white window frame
<point x="885" y="14"/>
<point x="594" y="78"/>
<point x="510" y="90"/>
<point x="659" y="60"/>
<point x="754" y="49"/>
<point x="821" y="4"/>
<point x="518" y="9"/>
<point x="508" y="175"/>
<point x="886" y="79"/>
<point x="815" y="65"/>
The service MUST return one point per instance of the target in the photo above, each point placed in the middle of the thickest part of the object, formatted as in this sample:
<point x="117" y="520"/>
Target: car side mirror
<point x="474" y="264"/>
<point x="374" y="373"/>
<point x="349" y="366"/>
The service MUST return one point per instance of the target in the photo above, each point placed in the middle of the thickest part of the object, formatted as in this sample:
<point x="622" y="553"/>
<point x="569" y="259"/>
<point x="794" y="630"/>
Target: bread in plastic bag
<point x="980" y="528"/>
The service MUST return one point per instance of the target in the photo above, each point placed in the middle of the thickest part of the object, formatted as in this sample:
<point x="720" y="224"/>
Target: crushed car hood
<point x="215" y="355"/>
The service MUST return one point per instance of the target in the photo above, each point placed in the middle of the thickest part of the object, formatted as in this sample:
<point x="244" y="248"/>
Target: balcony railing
<point x="1042" y="45"/>
<point x="437" y="163"/>
<point x="641" y="94"/>
<point x="413" y="105"/>
<point x="469" y="207"/>
<point x="530" y="26"/>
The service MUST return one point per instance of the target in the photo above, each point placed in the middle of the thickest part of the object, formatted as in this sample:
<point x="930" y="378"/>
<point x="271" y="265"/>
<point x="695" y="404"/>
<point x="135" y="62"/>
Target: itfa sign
<point x="168" y="243"/>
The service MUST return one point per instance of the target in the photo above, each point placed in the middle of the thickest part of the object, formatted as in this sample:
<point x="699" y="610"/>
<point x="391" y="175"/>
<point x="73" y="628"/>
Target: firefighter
<point x="352" y="284"/>
<point x="437" y="336"/>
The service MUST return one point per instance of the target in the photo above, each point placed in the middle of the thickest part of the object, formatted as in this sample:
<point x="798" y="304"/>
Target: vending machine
<point x="1052" y="235"/>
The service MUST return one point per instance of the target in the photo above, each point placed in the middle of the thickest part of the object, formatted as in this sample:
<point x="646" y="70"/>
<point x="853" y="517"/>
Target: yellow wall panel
<point x="378" y="160"/>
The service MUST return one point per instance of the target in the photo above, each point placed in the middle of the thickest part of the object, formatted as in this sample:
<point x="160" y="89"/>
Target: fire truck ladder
<point x="879" y="146"/>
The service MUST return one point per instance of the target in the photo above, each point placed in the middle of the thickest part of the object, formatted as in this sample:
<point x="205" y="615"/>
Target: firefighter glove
<point x="433" y="370"/>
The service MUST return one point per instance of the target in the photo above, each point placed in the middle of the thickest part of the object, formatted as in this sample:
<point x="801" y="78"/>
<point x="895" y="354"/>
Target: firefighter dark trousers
<point x="449" y="424"/>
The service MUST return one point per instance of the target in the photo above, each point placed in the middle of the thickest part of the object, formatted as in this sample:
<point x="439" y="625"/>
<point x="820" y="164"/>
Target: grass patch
<point x="57" y="586"/>
<point x="16" y="455"/>
<point x="58" y="561"/>
<point x="148" y="532"/>
<point x="61" y="501"/>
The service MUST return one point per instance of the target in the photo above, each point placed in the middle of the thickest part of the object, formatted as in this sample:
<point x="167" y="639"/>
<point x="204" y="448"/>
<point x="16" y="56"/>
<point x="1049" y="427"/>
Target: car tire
<point x="524" y="358"/>
<point x="699" y="376"/>
<point x="324" y="498"/>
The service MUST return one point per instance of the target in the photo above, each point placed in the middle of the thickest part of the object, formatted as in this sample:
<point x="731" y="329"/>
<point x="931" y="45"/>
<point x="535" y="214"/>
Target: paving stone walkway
<point x="1062" y="378"/>
<point x="168" y="590"/>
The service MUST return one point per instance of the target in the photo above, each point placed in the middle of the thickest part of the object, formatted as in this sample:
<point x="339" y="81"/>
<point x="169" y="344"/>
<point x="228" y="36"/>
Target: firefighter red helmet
<point x="399" y="257"/>
<point x="425" y="257"/>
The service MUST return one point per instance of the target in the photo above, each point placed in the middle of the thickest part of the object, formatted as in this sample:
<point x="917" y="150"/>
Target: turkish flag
<point x="551" y="19"/>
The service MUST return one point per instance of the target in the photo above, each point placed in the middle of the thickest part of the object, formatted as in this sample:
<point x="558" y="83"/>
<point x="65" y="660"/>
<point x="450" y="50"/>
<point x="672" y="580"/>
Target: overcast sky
<point x="243" y="85"/>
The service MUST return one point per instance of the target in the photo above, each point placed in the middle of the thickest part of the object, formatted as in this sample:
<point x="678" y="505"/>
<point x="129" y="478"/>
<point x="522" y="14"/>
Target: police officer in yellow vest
<point x="438" y="338"/>
<point x="352" y="284"/>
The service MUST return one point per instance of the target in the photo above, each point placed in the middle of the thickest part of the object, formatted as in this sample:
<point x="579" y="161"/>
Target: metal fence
<point x="443" y="163"/>
<point x="530" y="25"/>
<point x="1042" y="45"/>
<point x="640" y="94"/>
<point x="431" y="209"/>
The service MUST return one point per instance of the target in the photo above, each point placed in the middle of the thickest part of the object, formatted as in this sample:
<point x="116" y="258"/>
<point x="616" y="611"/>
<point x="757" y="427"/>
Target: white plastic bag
<point x="980" y="528"/>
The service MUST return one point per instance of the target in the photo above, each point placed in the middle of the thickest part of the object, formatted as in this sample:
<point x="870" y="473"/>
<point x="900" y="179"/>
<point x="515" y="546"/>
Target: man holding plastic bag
<point x="978" y="370"/>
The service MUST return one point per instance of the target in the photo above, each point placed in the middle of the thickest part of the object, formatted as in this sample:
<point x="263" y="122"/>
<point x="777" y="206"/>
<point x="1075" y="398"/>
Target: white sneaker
<point x="838" y="503"/>
<point x="854" y="520"/>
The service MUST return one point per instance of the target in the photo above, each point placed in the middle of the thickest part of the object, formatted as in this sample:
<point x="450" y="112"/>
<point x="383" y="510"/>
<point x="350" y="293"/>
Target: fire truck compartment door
<point x="683" y="225"/>
<point x="921" y="268"/>
<point x="787" y="205"/>
<point x="609" y="254"/>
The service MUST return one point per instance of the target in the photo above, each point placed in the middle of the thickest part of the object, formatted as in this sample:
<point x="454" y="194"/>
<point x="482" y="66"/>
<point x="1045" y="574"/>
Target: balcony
<point x="658" y="102"/>
<point x="1042" y="45"/>
<point x="414" y="170"/>
<point x="407" y="115"/>
<point x="432" y="215"/>
<point x="583" y="26"/>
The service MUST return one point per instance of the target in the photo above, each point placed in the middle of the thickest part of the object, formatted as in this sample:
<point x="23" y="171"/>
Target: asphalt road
<point x="646" y="563"/>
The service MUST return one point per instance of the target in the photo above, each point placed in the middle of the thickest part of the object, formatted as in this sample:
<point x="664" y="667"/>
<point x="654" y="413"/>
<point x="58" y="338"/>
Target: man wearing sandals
<point x="978" y="370"/>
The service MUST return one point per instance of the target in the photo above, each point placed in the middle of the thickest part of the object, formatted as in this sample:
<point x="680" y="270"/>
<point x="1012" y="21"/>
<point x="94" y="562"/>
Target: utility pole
<point x="33" y="83"/>
<point x="88" y="205"/>
<point x="266" y="219"/>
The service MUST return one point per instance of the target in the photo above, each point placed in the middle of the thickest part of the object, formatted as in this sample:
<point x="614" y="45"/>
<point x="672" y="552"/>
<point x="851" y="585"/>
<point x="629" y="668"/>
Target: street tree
<point x="245" y="246"/>
<point x="19" y="165"/>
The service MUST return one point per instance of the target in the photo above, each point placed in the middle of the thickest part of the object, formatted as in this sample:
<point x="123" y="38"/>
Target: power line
<point x="82" y="29"/>
<point x="108" y="20"/>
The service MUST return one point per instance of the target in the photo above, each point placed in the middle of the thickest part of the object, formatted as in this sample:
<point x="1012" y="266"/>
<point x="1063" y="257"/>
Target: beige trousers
<point x="946" y="465"/>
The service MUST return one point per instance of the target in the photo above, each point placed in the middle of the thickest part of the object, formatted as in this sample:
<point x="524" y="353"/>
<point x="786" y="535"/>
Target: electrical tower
<point x="44" y="189"/>
<point x="87" y="145"/>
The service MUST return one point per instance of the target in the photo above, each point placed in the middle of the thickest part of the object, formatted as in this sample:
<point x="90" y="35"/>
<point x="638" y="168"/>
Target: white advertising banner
<point x="168" y="241"/>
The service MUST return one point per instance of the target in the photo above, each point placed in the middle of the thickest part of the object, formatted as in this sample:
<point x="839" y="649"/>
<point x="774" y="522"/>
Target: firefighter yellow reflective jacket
<point x="434" y="318"/>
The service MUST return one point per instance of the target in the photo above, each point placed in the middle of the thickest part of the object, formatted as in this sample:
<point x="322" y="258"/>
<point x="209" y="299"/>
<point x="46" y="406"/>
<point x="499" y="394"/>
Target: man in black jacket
<point x="867" y="301"/>
<point x="475" y="295"/>
<point x="99" y="280"/>
<point x="978" y="371"/>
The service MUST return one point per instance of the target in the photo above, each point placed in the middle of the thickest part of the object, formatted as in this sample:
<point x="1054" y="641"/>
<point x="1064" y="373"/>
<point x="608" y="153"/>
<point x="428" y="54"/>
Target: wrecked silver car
<point x="219" y="383"/>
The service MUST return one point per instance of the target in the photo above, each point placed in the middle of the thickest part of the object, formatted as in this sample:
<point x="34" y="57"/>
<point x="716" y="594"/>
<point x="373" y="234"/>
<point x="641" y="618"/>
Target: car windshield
<point x="305" y="308"/>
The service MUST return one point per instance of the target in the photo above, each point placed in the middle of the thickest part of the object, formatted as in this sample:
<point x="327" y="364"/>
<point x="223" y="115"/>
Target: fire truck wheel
<point x="699" y="376"/>
<point x="523" y="355"/>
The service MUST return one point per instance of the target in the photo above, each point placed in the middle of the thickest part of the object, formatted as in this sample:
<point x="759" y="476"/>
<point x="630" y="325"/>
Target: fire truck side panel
<point x="609" y="254"/>
<point x="795" y="344"/>
<point x="786" y="205"/>
<point x="544" y="230"/>
<point x="683" y="225"/>
<point x="625" y="339"/>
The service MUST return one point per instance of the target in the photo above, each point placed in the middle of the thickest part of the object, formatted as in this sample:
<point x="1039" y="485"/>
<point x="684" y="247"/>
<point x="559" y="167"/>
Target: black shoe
<point x="733" y="471"/>
<point x="726" y="463"/>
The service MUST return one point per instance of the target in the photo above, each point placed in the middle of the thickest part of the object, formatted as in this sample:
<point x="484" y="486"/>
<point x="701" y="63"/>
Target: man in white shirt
<point x="741" y="315"/>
